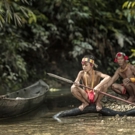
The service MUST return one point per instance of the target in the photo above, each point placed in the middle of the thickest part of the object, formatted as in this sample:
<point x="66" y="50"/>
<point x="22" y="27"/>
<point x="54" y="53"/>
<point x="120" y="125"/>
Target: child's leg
<point x="118" y="88"/>
<point x="99" y="96"/>
<point x="131" y="91"/>
<point x="81" y="95"/>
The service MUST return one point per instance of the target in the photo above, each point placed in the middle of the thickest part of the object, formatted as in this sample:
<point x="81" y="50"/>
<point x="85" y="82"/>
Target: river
<point x="41" y="121"/>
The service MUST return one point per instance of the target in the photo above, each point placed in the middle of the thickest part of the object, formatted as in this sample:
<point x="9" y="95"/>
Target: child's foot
<point x="81" y="107"/>
<point x="131" y="99"/>
<point x="98" y="106"/>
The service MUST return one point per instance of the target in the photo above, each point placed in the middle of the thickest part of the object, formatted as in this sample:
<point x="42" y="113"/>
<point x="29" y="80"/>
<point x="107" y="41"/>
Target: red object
<point x="124" y="91"/>
<point x="91" y="95"/>
<point x="119" y="54"/>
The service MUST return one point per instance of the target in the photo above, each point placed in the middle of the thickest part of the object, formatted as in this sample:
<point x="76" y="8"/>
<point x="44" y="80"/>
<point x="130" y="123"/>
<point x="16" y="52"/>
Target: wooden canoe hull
<point x="24" y="100"/>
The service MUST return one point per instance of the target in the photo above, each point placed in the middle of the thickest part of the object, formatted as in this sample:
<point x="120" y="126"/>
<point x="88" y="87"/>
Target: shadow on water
<point x="41" y="122"/>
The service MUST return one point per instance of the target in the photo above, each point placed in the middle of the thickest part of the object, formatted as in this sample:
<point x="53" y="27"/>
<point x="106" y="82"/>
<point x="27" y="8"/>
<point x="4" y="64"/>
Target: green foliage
<point x="12" y="65"/>
<point x="132" y="56"/>
<point x="13" y="11"/>
<point x="133" y="53"/>
<point x="61" y="30"/>
<point x="129" y="10"/>
<point x="128" y="4"/>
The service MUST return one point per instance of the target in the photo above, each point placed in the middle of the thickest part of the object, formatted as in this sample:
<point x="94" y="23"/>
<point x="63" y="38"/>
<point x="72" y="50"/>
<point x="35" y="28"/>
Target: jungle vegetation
<point x="38" y="36"/>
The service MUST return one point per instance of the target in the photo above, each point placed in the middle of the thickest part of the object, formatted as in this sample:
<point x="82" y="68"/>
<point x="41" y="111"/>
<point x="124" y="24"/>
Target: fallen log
<point x="92" y="109"/>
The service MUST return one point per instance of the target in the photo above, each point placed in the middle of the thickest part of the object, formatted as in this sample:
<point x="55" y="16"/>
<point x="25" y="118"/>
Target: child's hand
<point x="96" y="90"/>
<point x="76" y="83"/>
<point x="126" y="81"/>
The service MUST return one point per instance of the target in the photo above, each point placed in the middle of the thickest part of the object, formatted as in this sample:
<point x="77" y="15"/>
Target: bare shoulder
<point x="79" y="76"/>
<point x="81" y="73"/>
<point x="132" y="67"/>
<point x="117" y="71"/>
<point x="99" y="73"/>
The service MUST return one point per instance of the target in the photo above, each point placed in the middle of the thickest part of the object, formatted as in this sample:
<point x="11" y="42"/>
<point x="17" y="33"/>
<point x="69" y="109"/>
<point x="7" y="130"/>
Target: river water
<point x="41" y="121"/>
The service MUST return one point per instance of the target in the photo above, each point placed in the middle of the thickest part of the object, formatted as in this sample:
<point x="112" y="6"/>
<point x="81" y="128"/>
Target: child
<point x="127" y="72"/>
<point x="90" y="78"/>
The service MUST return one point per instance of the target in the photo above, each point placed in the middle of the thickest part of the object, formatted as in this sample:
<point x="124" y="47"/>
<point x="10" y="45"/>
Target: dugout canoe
<point x="23" y="101"/>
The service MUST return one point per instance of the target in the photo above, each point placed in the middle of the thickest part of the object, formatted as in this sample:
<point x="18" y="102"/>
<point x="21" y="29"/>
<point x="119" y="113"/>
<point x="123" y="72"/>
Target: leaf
<point x="32" y="17"/>
<point x="133" y="4"/>
<point x="120" y="37"/>
<point x="101" y="27"/>
<point x="17" y="19"/>
<point x="132" y="55"/>
<point x="24" y="10"/>
<point x="133" y="50"/>
<point x="2" y="19"/>
<point x="86" y="45"/>
<point x="129" y="5"/>
<point x="125" y="4"/>
<point x="78" y="34"/>
<point x="70" y="21"/>
<point x="128" y="40"/>
<point x="52" y="26"/>
<point x="25" y="1"/>
<point x="8" y="16"/>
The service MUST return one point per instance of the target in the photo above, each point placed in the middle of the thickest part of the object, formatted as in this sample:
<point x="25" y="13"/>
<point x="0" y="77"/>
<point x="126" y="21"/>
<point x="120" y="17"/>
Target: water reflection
<point x="80" y="125"/>
<point x="41" y="122"/>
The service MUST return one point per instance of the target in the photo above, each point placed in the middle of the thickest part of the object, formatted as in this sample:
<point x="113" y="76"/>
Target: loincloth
<point x="124" y="91"/>
<point x="91" y="95"/>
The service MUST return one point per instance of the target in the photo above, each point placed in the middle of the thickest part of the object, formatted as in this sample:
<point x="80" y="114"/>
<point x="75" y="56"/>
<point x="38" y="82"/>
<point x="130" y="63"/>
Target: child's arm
<point x="78" y="78"/>
<point x="105" y="80"/>
<point x="114" y="78"/>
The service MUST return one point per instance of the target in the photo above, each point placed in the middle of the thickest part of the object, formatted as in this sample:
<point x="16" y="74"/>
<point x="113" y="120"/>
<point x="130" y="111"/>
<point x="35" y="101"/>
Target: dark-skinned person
<point x="94" y="80"/>
<point x="126" y="72"/>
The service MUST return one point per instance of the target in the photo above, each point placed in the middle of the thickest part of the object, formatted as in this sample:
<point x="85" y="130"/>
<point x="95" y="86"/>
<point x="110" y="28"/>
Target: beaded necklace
<point x="122" y="70"/>
<point x="86" y="80"/>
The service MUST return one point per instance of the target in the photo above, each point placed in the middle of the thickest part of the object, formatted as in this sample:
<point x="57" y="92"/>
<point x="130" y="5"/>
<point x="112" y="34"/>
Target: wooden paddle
<point x="70" y="81"/>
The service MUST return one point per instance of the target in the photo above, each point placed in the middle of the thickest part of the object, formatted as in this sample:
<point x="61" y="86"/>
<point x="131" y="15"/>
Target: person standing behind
<point x="90" y="78"/>
<point x="127" y="72"/>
